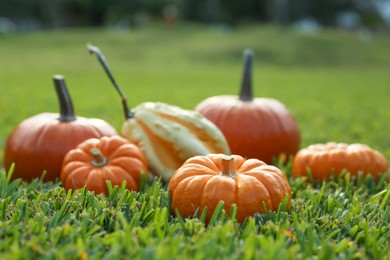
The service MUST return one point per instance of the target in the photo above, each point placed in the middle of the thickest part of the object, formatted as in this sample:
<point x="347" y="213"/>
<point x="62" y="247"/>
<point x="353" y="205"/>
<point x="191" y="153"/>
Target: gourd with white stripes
<point x="167" y="135"/>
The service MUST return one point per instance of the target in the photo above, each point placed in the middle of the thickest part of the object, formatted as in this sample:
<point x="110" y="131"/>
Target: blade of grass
<point x="385" y="200"/>
<point x="216" y="214"/>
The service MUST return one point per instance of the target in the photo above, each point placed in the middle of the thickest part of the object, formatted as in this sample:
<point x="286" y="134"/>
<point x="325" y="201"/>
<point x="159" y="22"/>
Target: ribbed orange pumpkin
<point x="324" y="159"/>
<point x="167" y="135"/>
<point x="40" y="143"/>
<point x="259" y="128"/>
<point x="249" y="184"/>
<point x="95" y="161"/>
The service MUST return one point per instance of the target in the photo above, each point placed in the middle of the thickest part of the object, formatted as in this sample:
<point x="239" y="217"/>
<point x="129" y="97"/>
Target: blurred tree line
<point x="66" y="13"/>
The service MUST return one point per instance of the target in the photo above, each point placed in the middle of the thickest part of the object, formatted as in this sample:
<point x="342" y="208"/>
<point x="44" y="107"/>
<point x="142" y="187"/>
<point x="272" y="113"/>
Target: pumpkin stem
<point x="98" y="159"/>
<point x="228" y="167"/>
<point x="66" y="107"/>
<point x="95" y="50"/>
<point x="246" y="83"/>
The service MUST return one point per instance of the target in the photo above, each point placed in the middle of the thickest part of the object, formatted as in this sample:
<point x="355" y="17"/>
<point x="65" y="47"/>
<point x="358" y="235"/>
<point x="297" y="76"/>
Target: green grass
<point x="334" y="83"/>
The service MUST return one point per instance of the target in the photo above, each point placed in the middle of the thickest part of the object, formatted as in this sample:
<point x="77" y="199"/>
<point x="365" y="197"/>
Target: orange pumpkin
<point x="95" y="161"/>
<point x="324" y="159"/>
<point x="39" y="143"/>
<point x="259" y="128"/>
<point x="249" y="184"/>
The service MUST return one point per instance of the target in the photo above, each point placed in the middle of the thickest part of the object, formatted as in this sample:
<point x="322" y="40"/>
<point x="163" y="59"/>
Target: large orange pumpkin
<point x="96" y="161"/>
<point x="167" y="135"/>
<point x="324" y="159"/>
<point x="259" y="128"/>
<point x="39" y="143"/>
<point x="249" y="184"/>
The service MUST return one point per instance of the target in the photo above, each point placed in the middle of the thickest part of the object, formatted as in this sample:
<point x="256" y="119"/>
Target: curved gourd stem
<point x="95" y="50"/>
<point x="228" y="167"/>
<point x="66" y="107"/>
<point x="246" y="84"/>
<point x="98" y="159"/>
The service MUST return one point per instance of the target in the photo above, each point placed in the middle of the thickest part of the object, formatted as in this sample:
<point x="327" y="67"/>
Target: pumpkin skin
<point x="205" y="180"/>
<point x="39" y="143"/>
<point x="325" y="159"/>
<point x="259" y="128"/>
<point x="169" y="135"/>
<point x="96" y="160"/>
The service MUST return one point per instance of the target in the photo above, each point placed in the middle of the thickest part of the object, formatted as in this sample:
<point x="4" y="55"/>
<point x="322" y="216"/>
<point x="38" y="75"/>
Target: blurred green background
<point x="35" y="14"/>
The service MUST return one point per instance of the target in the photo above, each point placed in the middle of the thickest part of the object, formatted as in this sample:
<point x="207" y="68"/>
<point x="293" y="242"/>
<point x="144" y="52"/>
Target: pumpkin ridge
<point x="199" y="168"/>
<point x="201" y="192"/>
<point x="71" y="176"/>
<point x="207" y="109"/>
<point x="10" y="146"/>
<point x="183" y="174"/>
<point x="41" y="134"/>
<point x="87" y="145"/>
<point x="78" y="128"/>
<point x="209" y="160"/>
<point x="238" y="162"/>
<point x="109" y="174"/>
<point x="100" y="130"/>
<point x="104" y="146"/>
<point x="216" y="180"/>
<point x="236" y="193"/>
<point x="275" y="115"/>
<point x="223" y="117"/>
<point x="249" y="182"/>
<point x="127" y="151"/>
<point x="271" y="180"/>
<point x="185" y="185"/>
<point x="72" y="166"/>
<point x="45" y="129"/>
<point x="135" y="162"/>
<point x="95" y="179"/>
<point x="114" y="144"/>
<point x="372" y="158"/>
<point x="278" y="128"/>
<point x="92" y="127"/>
<point x="249" y="165"/>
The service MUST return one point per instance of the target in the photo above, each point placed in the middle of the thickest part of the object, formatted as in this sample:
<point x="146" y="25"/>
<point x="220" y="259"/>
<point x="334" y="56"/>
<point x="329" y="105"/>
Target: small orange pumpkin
<point x="249" y="184"/>
<point x="323" y="159"/>
<point x="95" y="161"/>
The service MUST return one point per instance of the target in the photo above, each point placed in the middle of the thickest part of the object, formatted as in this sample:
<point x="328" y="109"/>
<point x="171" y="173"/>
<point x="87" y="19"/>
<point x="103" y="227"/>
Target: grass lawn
<point x="336" y="84"/>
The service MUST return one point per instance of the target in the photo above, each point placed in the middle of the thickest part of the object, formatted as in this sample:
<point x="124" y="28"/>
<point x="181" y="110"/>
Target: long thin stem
<point x="246" y="84"/>
<point x="95" y="50"/>
<point x="66" y="106"/>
